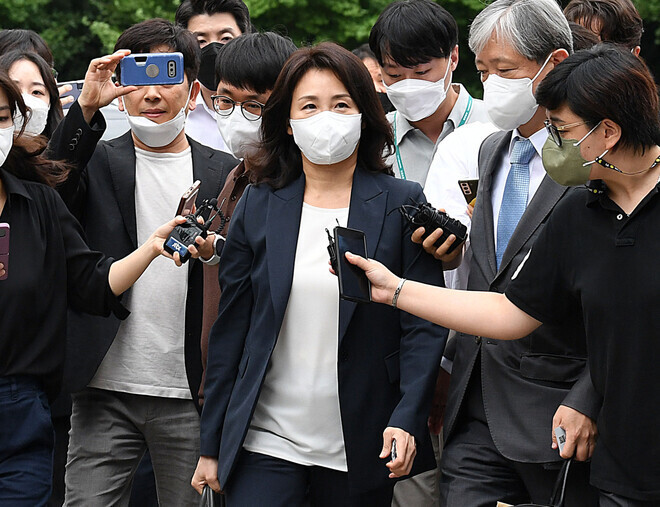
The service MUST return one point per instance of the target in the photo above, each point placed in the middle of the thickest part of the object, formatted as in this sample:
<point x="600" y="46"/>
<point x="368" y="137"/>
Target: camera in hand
<point x="425" y="215"/>
<point x="184" y="235"/>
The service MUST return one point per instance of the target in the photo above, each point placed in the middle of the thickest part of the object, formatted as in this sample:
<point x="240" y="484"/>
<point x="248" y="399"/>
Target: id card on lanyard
<point x="399" y="161"/>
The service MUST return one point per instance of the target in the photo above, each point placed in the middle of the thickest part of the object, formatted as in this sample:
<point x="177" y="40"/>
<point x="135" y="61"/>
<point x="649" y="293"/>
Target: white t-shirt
<point x="147" y="355"/>
<point x="297" y="417"/>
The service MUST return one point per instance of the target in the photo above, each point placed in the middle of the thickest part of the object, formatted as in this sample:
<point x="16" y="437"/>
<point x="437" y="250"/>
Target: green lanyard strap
<point x="399" y="162"/>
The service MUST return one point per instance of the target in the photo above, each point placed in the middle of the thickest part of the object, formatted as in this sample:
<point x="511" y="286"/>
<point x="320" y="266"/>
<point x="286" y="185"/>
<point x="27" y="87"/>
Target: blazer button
<point x="233" y="197"/>
<point x="477" y="340"/>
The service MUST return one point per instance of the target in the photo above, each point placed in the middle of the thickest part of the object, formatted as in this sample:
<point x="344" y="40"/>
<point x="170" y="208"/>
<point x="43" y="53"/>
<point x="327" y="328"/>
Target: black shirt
<point x="594" y="255"/>
<point x="49" y="267"/>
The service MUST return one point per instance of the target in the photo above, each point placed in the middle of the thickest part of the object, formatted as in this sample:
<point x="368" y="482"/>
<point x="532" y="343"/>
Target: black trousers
<point x="263" y="480"/>
<point x="475" y="473"/>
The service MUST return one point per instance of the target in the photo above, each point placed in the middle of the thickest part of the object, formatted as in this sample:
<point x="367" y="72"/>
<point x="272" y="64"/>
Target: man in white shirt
<point x="137" y="385"/>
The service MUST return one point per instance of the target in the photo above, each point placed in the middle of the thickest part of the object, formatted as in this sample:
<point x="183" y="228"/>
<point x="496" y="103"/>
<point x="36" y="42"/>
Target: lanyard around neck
<point x="399" y="161"/>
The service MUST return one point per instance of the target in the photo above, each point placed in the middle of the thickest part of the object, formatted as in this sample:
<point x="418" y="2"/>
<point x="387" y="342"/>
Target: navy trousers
<point x="26" y="443"/>
<point x="263" y="480"/>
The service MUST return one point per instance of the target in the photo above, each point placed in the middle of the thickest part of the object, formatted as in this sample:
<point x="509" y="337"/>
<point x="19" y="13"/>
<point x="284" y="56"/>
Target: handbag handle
<point x="557" y="498"/>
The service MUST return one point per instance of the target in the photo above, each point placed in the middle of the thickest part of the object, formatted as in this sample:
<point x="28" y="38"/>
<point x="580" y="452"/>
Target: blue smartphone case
<point x="147" y="69"/>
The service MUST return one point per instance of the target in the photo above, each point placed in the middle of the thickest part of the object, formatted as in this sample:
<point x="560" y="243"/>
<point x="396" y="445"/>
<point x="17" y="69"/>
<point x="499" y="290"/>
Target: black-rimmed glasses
<point x="224" y="106"/>
<point x="555" y="132"/>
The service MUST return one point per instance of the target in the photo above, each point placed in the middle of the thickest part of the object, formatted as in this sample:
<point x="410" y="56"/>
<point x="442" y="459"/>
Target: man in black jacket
<point x="138" y="386"/>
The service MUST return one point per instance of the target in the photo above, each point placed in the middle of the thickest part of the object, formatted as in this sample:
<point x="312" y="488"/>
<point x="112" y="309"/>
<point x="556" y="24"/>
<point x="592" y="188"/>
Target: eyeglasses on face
<point x="555" y="132"/>
<point x="224" y="106"/>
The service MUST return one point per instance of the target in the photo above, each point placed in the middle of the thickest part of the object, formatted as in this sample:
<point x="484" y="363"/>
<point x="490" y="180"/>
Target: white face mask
<point x="157" y="135"/>
<point x="510" y="102"/>
<point x="36" y="123"/>
<point x="6" y="142"/>
<point x="327" y="137"/>
<point x="241" y="135"/>
<point x="417" y="99"/>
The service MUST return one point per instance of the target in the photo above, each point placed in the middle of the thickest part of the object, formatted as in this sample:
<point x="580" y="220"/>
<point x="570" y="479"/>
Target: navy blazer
<point x="387" y="359"/>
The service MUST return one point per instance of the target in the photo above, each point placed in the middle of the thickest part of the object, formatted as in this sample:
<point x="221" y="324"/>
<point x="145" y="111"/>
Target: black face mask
<point x="206" y="74"/>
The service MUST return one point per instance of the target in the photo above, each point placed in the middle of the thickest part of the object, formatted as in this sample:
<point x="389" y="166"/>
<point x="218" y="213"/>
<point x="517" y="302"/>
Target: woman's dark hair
<point x="278" y="161"/>
<point x="607" y="81"/>
<point x="25" y="40"/>
<point x="253" y="61"/>
<point x="145" y="36"/>
<point x="411" y="32"/>
<point x="25" y="159"/>
<point x="190" y="8"/>
<point x="582" y="37"/>
<point x="616" y="20"/>
<point x="55" y="114"/>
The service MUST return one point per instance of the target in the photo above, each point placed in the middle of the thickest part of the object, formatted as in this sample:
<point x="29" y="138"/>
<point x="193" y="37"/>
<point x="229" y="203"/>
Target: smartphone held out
<point x="4" y="249"/>
<point x="146" y="69"/>
<point x="353" y="282"/>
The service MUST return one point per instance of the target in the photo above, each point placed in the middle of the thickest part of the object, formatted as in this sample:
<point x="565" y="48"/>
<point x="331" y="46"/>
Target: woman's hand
<point x="203" y="247"/>
<point x="2" y="269"/>
<point x="206" y="473"/>
<point x="61" y="90"/>
<point x="157" y="239"/>
<point x="383" y="282"/>
<point x="406" y="450"/>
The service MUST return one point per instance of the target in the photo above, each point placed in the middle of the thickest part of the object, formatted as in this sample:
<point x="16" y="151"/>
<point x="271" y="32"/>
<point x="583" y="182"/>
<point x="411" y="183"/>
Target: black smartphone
<point x="469" y="189"/>
<point x="76" y="90"/>
<point x="353" y="282"/>
<point x="4" y="249"/>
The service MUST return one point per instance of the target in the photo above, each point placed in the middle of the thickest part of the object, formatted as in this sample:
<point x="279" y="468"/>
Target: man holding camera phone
<point x="138" y="387"/>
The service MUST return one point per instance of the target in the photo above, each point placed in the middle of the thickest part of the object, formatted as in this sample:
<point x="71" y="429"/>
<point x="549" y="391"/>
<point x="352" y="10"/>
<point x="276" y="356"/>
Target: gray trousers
<point x="110" y="432"/>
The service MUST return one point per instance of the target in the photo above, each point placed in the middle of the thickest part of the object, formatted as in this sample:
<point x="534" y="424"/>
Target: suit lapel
<point x="282" y="228"/>
<point x="484" y="206"/>
<point x="544" y="200"/>
<point x="121" y="164"/>
<point x="203" y="170"/>
<point x="367" y="213"/>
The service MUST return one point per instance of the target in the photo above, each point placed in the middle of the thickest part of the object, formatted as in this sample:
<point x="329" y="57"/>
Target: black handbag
<point x="557" y="498"/>
<point x="211" y="499"/>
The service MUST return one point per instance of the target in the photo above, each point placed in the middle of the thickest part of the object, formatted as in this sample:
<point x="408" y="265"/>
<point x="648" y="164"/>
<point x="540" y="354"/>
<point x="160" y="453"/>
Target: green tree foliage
<point x="78" y="30"/>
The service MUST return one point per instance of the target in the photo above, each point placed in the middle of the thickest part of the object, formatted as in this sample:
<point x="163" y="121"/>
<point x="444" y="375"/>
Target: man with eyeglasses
<point x="506" y="398"/>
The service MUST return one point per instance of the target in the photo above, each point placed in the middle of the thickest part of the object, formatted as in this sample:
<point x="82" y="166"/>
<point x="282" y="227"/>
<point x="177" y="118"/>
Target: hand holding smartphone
<point x="353" y="282"/>
<point x="4" y="249"/>
<point x="146" y="69"/>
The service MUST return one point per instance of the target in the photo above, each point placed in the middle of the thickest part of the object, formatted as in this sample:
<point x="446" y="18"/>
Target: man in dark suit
<point x="505" y="398"/>
<point x="138" y="384"/>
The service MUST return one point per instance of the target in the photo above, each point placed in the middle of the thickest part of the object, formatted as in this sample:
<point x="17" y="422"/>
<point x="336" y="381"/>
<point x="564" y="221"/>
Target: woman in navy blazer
<point x="324" y="134"/>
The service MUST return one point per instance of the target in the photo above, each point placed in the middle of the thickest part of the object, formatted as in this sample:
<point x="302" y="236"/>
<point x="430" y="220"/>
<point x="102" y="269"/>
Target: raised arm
<point x="479" y="313"/>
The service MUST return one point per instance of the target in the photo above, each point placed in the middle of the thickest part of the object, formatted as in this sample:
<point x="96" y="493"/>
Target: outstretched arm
<point x="478" y="313"/>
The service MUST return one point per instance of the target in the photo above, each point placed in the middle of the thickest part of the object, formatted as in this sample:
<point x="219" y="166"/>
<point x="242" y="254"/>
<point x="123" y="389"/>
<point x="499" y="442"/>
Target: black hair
<point x="583" y="38"/>
<point x="279" y="161"/>
<point x="25" y="40"/>
<point x="237" y="8"/>
<point x="615" y="20"/>
<point x="363" y="52"/>
<point x="253" y="61"/>
<point x="411" y="32"/>
<point x="152" y="33"/>
<point x="55" y="113"/>
<point x="25" y="159"/>
<point x="607" y="81"/>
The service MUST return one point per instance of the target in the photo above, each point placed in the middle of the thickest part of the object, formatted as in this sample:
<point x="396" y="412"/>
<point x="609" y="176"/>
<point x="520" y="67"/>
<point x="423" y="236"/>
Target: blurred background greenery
<point x="78" y="31"/>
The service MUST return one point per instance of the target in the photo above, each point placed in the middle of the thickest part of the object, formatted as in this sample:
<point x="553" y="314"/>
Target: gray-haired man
<point x="506" y="398"/>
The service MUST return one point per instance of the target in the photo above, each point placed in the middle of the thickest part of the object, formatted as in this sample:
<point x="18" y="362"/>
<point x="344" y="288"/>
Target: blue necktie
<point x="516" y="189"/>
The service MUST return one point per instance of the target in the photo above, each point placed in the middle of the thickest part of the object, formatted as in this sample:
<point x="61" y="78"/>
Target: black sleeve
<point x="88" y="289"/>
<point x="422" y="342"/>
<point x="539" y="286"/>
<point x="74" y="141"/>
